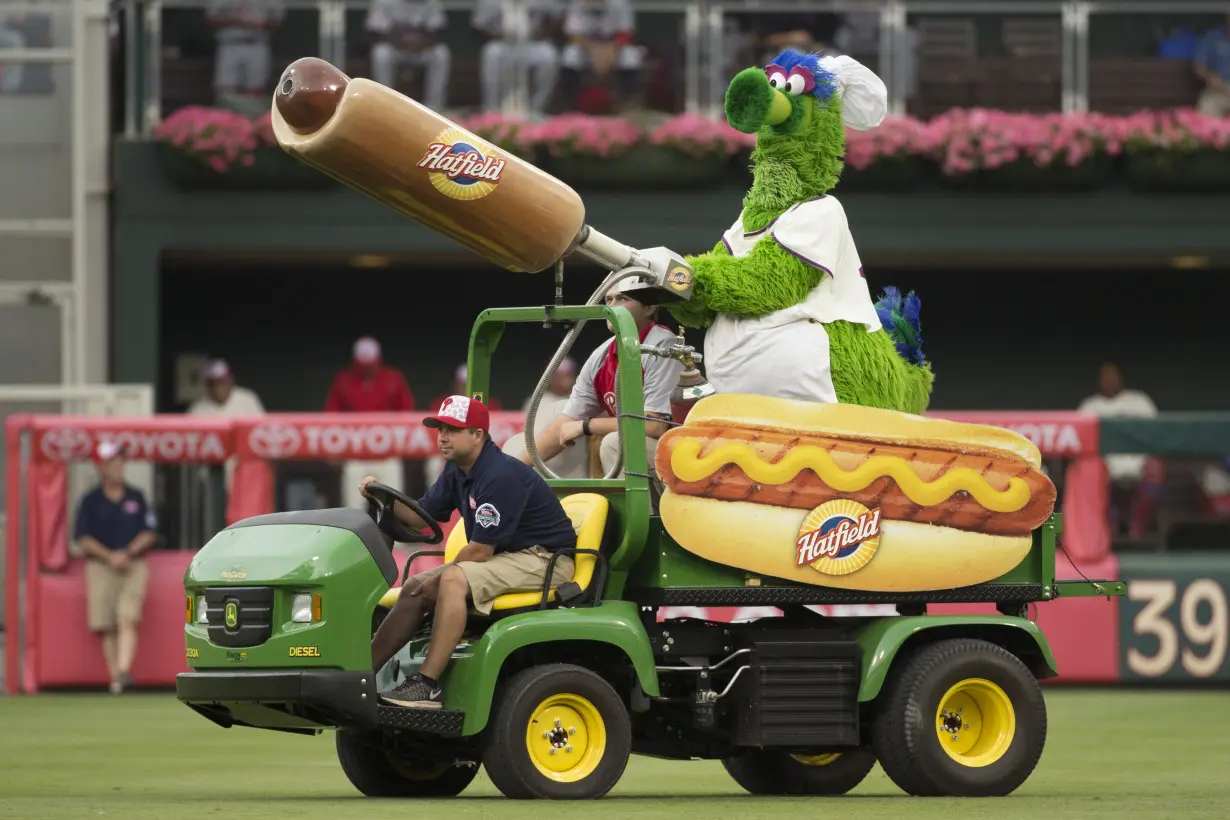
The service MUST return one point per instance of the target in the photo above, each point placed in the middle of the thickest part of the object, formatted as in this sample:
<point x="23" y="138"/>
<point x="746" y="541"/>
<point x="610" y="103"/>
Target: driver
<point x="513" y="522"/>
<point x="590" y="410"/>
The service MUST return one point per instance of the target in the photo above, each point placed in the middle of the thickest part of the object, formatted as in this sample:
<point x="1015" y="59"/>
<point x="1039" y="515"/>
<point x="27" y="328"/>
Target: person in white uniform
<point x="599" y="36"/>
<point x="243" y="28"/>
<point x="409" y="33"/>
<point x="786" y="354"/>
<point x="590" y="410"/>
<point x="502" y="53"/>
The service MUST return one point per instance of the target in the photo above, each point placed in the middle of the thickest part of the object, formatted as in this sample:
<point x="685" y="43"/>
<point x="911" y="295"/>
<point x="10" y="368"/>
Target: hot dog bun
<point x="911" y="557"/>
<point x="848" y="496"/>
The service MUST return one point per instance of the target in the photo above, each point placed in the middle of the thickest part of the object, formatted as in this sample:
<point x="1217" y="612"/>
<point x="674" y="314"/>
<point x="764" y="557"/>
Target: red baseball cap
<point x="460" y="412"/>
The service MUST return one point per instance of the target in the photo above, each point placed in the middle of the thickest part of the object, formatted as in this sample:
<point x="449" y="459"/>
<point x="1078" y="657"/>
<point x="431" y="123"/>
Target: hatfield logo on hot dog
<point x="852" y="497"/>
<point x="459" y="168"/>
<point x="838" y="537"/>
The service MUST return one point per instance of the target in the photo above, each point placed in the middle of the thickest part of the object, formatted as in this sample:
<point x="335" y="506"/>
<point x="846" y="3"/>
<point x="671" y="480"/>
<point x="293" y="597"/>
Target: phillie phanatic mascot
<point x="783" y="295"/>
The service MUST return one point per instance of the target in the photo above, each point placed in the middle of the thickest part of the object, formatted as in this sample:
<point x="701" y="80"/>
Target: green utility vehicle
<point x="555" y="689"/>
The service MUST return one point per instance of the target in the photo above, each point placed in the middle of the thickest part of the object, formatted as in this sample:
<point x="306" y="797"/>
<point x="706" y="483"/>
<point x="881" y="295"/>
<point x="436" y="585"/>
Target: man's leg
<point x="102" y="592"/>
<point x="492" y="70"/>
<point x="438" y="62"/>
<point x="128" y="612"/>
<point x="384" y="64"/>
<point x="406" y="617"/>
<point x="543" y="59"/>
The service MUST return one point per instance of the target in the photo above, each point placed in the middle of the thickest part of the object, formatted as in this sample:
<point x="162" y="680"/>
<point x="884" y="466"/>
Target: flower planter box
<point x="1024" y="175"/>
<point x="272" y="169"/>
<point x="900" y="173"/>
<point x="642" y="166"/>
<point x="1199" y="171"/>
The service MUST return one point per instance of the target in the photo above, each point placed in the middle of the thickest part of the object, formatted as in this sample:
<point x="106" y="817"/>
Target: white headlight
<point x="201" y="617"/>
<point x="301" y="609"/>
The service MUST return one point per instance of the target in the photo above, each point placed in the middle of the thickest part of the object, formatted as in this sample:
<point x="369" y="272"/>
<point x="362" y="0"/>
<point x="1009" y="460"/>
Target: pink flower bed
<point x="581" y="134"/>
<point x="700" y="136"/>
<point x="961" y="141"/>
<point x="978" y="139"/>
<point x="218" y="137"/>
<point x="896" y="137"/>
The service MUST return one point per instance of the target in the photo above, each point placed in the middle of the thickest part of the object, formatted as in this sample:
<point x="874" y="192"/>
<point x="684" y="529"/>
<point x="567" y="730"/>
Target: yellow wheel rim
<point x="566" y="738"/>
<point x="816" y="760"/>
<point x="975" y="722"/>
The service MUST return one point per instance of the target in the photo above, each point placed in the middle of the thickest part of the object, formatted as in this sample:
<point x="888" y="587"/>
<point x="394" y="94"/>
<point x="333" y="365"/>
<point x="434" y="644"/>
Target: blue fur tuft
<point x="900" y="318"/>
<point x="826" y="83"/>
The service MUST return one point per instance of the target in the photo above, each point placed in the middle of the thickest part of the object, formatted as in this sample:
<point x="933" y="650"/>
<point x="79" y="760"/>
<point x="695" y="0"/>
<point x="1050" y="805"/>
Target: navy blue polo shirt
<point x="503" y="502"/>
<point x="112" y="524"/>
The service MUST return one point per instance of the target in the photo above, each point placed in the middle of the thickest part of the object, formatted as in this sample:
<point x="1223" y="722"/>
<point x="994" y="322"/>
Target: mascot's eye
<point x="795" y="85"/>
<point x="777" y="80"/>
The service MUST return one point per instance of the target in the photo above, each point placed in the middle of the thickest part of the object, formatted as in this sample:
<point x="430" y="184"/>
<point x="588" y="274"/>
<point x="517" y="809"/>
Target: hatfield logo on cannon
<point x="72" y="443"/>
<point x="838" y="537"/>
<point x="460" y="166"/>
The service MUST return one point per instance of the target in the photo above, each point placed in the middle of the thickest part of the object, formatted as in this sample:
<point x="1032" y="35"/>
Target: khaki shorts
<point x="113" y="597"/>
<point x="521" y="571"/>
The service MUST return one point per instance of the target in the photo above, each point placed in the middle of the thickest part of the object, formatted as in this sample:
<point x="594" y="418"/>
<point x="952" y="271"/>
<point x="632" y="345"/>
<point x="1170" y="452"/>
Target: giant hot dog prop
<point x="845" y="496"/>
<point x="428" y="168"/>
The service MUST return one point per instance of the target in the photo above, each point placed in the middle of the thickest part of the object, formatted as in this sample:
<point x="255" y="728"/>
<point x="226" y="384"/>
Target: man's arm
<point x="474" y="551"/>
<point x="333" y="401"/>
<point x="548" y="443"/>
<point x="92" y="547"/>
<point x="142" y="544"/>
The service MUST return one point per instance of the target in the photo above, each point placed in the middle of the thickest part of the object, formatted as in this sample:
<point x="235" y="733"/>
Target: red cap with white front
<point x="460" y="412"/>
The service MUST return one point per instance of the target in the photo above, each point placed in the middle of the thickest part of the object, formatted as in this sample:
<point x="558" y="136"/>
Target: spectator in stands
<point x="11" y="38"/>
<point x="222" y="396"/>
<point x="590" y="410"/>
<point x="1213" y="66"/>
<point x="502" y="54"/>
<point x="225" y="398"/>
<point x="242" y="61"/>
<point x="600" y="39"/>
<point x="773" y="32"/>
<point x="560" y="386"/>
<point x="410" y="32"/>
<point x="369" y="386"/>
<point x="571" y="462"/>
<point x="115" y="528"/>
<point x="1132" y="496"/>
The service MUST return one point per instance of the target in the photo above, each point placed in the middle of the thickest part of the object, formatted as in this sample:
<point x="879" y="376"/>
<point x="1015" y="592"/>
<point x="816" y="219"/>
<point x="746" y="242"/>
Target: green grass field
<point x="1112" y="754"/>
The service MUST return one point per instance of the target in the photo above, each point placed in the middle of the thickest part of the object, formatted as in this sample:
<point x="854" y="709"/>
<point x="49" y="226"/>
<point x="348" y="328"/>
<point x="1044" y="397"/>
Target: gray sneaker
<point x="415" y="693"/>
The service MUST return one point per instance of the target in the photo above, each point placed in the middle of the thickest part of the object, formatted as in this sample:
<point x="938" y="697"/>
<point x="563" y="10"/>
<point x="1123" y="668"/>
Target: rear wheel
<point x="961" y="718"/>
<point x="558" y="732"/>
<point x="773" y="772"/>
<point x="377" y="773"/>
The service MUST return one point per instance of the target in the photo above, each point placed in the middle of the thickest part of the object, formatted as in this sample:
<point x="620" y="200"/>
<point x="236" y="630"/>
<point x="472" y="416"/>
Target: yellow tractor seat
<point x="587" y="511"/>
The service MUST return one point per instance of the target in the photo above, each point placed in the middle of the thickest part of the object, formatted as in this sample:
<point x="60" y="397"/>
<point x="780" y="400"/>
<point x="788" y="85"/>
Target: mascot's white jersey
<point x="786" y="354"/>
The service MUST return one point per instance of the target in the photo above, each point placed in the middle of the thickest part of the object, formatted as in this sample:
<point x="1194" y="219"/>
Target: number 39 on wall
<point x="1175" y="629"/>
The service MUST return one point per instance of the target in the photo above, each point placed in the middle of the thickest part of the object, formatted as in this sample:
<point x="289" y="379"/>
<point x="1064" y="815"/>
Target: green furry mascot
<point x="782" y="294"/>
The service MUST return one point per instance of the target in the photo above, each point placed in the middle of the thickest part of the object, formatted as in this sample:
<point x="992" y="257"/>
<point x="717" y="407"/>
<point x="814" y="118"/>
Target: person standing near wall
<point x="369" y="386"/>
<point x="115" y="528"/>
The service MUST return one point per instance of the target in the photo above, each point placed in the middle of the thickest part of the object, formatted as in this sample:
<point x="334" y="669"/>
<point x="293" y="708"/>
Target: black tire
<point x="905" y="733"/>
<point x="773" y="772"/>
<point x="507" y="753"/>
<point x="376" y="773"/>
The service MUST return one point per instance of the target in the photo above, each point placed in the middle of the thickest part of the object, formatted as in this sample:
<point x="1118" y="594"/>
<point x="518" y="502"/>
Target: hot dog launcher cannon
<point x="426" y="167"/>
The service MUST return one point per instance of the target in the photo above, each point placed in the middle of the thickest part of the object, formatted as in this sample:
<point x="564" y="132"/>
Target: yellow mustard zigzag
<point x="687" y="464"/>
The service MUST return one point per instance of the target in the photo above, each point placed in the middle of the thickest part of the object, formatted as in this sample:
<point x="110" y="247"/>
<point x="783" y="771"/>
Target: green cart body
<point x="552" y="698"/>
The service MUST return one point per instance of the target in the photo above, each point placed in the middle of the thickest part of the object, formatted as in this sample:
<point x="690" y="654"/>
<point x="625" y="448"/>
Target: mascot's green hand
<point x="696" y="312"/>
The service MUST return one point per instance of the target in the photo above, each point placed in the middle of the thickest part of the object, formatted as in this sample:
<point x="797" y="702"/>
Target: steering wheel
<point x="382" y="497"/>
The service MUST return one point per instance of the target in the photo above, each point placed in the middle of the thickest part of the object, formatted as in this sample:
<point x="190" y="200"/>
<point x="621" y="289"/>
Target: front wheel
<point x="377" y="773"/>
<point x="960" y="718"/>
<point x="772" y="772"/>
<point x="558" y="732"/>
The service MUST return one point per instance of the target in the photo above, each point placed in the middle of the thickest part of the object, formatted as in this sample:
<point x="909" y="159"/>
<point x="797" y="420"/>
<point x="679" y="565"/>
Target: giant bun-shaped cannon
<point x="426" y="167"/>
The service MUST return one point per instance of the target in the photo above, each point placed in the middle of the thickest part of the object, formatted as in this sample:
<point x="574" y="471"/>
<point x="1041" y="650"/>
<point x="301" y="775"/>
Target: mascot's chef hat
<point x="864" y="99"/>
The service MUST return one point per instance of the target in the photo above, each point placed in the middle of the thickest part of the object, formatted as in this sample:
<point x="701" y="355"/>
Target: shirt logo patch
<point x="456" y="407"/>
<point x="132" y="507"/>
<point x="473" y="503"/>
<point x="487" y="516"/>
